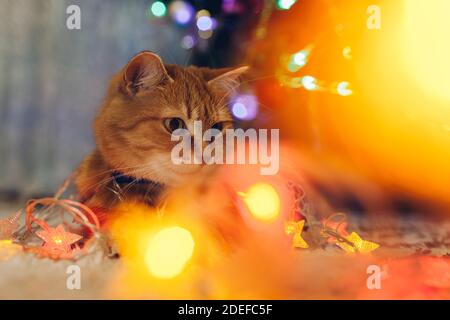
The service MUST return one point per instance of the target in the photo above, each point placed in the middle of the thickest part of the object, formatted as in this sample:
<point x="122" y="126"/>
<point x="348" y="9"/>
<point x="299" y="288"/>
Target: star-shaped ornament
<point x="8" y="226"/>
<point x="58" y="240"/>
<point x="359" y="245"/>
<point x="296" y="228"/>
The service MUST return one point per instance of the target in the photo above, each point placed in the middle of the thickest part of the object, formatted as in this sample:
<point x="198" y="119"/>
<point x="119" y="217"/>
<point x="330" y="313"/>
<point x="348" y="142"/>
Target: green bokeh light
<point x="285" y="4"/>
<point x="158" y="9"/>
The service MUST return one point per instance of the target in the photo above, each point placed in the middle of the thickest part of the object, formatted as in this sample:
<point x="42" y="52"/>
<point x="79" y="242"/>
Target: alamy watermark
<point x="376" y="274"/>
<point x="73" y="281"/>
<point x="73" y="20"/>
<point x="230" y="146"/>
<point x="374" y="17"/>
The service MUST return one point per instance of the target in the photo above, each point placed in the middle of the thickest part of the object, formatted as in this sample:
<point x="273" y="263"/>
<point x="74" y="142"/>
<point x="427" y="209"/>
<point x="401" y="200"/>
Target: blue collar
<point x="120" y="178"/>
<point x="149" y="189"/>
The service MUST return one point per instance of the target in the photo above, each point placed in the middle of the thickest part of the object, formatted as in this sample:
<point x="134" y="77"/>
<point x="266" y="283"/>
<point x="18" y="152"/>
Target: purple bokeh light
<point x="244" y="106"/>
<point x="182" y="12"/>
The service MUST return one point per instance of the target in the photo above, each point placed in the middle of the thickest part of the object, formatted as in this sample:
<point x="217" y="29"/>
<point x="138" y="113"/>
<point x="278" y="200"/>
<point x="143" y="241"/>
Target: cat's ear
<point x="144" y="71"/>
<point x="229" y="80"/>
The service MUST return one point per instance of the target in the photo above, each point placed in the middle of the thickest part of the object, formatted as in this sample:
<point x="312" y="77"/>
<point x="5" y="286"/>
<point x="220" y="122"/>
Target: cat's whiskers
<point x="109" y="178"/>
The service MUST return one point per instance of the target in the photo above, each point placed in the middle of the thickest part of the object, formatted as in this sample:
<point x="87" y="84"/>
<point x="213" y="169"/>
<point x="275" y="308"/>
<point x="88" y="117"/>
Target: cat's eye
<point x="218" y="126"/>
<point x="172" y="124"/>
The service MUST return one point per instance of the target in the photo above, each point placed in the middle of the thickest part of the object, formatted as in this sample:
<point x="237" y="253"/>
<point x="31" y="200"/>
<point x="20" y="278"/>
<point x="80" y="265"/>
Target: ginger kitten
<point x="146" y="101"/>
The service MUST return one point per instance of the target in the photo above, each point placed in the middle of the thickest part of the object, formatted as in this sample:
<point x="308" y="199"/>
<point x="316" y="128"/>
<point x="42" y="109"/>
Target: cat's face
<point x="146" y="102"/>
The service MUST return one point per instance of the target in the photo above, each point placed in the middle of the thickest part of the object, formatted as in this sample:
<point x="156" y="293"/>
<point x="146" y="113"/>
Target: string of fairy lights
<point x="262" y="208"/>
<point x="295" y="62"/>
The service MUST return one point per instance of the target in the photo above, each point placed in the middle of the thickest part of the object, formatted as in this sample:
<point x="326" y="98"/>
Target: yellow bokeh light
<point x="427" y="28"/>
<point x="8" y="249"/>
<point x="168" y="251"/>
<point x="263" y="201"/>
